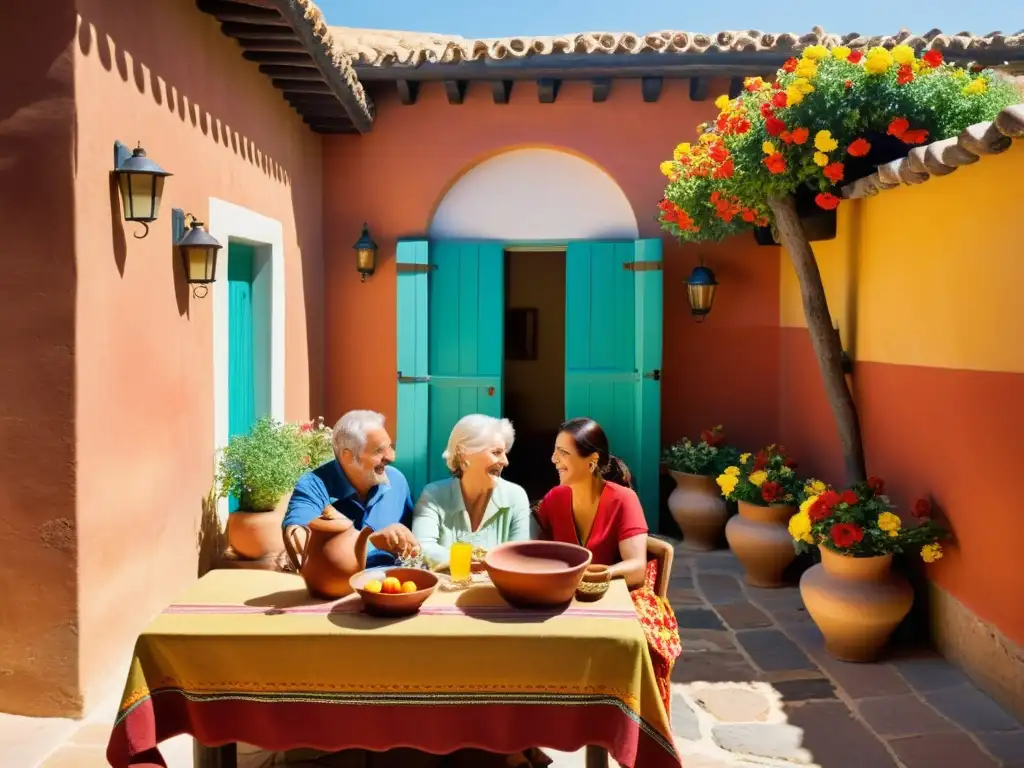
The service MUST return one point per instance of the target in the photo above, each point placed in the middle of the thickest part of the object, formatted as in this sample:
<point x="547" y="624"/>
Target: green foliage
<point x="708" y="457"/>
<point x="822" y="114"/>
<point x="260" y="467"/>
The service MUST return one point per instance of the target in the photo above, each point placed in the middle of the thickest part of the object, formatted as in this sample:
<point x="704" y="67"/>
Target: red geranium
<point x="775" y="163"/>
<point x="932" y="58"/>
<point x="779" y="99"/>
<point x="833" y="172"/>
<point x="905" y="74"/>
<point x="855" y="57"/>
<point x="898" y="127"/>
<point x="848" y="497"/>
<point x="774" y="126"/>
<point x="766" y="110"/>
<point x="771" y="491"/>
<point x="713" y="437"/>
<point x="915" y="136"/>
<point x="922" y="508"/>
<point x="800" y="135"/>
<point x="859" y="147"/>
<point x="845" y="535"/>
<point x="826" y="200"/>
<point x="790" y="65"/>
<point x="876" y="484"/>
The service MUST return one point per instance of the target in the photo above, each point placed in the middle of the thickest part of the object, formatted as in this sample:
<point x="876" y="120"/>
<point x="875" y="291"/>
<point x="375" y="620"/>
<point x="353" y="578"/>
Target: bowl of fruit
<point x="393" y="591"/>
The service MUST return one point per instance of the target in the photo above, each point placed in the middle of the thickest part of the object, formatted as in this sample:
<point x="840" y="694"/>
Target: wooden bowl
<point x="402" y="604"/>
<point x="533" y="574"/>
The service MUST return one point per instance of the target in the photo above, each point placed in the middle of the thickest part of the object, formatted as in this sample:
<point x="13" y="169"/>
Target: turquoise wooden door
<point x="613" y="352"/>
<point x="450" y="341"/>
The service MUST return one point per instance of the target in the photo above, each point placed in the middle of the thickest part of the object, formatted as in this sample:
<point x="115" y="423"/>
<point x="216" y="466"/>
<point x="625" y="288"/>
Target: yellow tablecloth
<point x="257" y="636"/>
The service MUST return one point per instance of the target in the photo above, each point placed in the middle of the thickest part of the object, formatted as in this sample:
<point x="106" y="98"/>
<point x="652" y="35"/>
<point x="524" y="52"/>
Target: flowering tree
<point x="829" y="116"/>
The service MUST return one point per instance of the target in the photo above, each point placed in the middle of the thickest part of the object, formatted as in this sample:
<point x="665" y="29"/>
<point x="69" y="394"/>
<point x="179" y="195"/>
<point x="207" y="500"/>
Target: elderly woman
<point x="475" y="504"/>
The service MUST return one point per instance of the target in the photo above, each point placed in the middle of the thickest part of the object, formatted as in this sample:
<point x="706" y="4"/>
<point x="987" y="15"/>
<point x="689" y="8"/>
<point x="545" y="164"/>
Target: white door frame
<point x="228" y="221"/>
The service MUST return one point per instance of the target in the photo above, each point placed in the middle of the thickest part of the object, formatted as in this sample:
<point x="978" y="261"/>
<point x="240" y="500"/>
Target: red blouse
<point x="619" y="516"/>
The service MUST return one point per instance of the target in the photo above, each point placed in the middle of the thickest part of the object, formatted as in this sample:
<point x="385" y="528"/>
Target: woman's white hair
<point x="475" y="433"/>
<point x="351" y="430"/>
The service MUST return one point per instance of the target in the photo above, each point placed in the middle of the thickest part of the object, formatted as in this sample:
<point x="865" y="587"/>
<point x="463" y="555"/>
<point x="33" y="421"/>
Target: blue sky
<point x="494" y="18"/>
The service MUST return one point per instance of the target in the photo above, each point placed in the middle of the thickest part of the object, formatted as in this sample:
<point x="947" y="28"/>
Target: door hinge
<point x="412" y="379"/>
<point x="407" y="267"/>
<point x="642" y="266"/>
<point x="655" y="374"/>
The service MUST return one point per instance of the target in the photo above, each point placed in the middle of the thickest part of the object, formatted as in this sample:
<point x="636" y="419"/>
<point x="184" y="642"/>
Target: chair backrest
<point x="662" y="552"/>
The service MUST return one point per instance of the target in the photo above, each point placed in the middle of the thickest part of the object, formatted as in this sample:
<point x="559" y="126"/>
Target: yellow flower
<point x="668" y="168"/>
<point x="755" y="82"/>
<point x="681" y="151"/>
<point x="820" y="158"/>
<point x="793" y="96"/>
<point x="803" y="85"/>
<point x="765" y="85"/>
<point x="727" y="483"/>
<point x="890" y="523"/>
<point x="959" y="74"/>
<point x="815" y="52"/>
<point x="708" y="138"/>
<point x="731" y="471"/>
<point x="976" y="87"/>
<point x="806" y="68"/>
<point x="800" y="527"/>
<point x="878" y="61"/>
<point x="758" y="477"/>
<point x="841" y="52"/>
<point x="805" y="508"/>
<point x="744" y="458"/>
<point x="815" y="488"/>
<point x="769" y="149"/>
<point x="931" y="552"/>
<point x="824" y="142"/>
<point x="903" y="54"/>
<point x="722" y="101"/>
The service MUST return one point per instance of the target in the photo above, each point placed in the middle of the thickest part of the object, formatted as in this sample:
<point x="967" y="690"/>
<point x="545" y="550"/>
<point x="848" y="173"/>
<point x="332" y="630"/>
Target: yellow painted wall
<point x="929" y="275"/>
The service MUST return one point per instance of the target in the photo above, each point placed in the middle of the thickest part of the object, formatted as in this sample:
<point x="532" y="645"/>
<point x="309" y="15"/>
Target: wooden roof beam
<point x="225" y="10"/>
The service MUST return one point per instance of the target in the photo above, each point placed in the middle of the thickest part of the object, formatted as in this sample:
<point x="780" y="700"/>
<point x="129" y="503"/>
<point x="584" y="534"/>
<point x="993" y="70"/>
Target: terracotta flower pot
<point x="856" y="602"/>
<point x="257" y="535"/>
<point x="759" y="537"/>
<point x="699" y="510"/>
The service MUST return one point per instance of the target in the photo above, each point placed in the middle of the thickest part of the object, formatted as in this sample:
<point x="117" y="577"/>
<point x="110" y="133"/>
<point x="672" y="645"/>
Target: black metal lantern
<point x="700" y="289"/>
<point x="366" y="254"/>
<point x="198" y="250"/>
<point x="142" y="185"/>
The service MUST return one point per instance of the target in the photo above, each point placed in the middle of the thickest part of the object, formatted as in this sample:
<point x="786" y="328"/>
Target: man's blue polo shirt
<point x="327" y="484"/>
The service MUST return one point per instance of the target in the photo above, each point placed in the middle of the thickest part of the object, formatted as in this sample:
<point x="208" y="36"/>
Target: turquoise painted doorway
<point x="613" y="323"/>
<point x="248" y="340"/>
<point x="450" y="340"/>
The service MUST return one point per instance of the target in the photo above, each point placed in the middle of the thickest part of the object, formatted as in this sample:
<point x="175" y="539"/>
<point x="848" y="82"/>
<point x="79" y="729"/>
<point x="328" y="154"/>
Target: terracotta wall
<point x="38" y="612"/>
<point x="725" y="370"/>
<point x="115" y="412"/>
<point x="926" y="281"/>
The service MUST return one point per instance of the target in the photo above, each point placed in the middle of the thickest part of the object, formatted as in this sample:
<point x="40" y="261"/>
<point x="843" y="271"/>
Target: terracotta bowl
<point x="402" y="604"/>
<point x="531" y="574"/>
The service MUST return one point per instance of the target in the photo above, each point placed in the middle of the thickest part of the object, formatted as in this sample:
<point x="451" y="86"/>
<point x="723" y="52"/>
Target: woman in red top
<point x="595" y="506"/>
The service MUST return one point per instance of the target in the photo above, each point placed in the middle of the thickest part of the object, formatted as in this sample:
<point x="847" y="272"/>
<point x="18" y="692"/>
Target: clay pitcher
<point x="333" y="552"/>
<point x="856" y="602"/>
<point x="759" y="537"/>
<point x="699" y="510"/>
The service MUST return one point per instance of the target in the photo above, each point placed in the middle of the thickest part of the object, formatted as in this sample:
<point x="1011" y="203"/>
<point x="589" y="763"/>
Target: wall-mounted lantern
<point x="366" y="254"/>
<point x="142" y="185"/>
<point x="198" y="249"/>
<point x="700" y="290"/>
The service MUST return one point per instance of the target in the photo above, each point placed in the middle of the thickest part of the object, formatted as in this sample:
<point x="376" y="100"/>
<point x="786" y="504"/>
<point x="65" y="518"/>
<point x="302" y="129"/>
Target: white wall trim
<point x="534" y="194"/>
<point x="228" y="221"/>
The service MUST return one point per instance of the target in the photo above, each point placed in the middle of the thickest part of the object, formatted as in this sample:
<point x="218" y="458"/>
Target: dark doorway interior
<point x="534" y="375"/>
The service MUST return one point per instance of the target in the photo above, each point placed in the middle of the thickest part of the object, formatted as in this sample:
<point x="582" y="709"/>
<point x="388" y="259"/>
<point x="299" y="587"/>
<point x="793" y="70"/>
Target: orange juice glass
<point x="460" y="561"/>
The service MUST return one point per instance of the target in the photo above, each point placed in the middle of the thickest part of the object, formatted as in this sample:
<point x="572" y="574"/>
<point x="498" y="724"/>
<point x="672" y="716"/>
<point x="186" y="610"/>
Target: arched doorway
<point x="531" y="298"/>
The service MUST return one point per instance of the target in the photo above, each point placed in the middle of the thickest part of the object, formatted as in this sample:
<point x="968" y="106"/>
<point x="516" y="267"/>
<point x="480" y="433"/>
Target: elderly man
<point x="361" y="484"/>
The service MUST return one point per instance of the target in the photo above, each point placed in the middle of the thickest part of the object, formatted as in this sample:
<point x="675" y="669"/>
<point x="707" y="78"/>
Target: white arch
<point x="534" y="194"/>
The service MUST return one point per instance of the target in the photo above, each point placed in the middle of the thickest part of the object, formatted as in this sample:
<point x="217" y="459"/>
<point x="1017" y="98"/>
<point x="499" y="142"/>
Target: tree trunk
<point x="824" y="338"/>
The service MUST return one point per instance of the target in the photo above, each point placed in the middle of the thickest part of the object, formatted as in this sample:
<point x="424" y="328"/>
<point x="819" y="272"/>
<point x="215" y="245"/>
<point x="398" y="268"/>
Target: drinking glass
<point x="460" y="561"/>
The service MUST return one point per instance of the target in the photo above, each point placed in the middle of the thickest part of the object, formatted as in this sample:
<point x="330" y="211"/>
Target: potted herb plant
<point x="696" y="504"/>
<point x="765" y="488"/>
<point x="259" y="469"/>
<point x="853" y="595"/>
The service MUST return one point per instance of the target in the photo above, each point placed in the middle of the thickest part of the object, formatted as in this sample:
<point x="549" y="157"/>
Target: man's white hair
<point x="351" y="430"/>
<point x="475" y="433"/>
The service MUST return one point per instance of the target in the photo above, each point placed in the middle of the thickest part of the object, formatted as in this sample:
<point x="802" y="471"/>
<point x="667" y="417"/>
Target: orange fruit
<point x="373" y="586"/>
<point x="391" y="586"/>
<point x="409" y="586"/>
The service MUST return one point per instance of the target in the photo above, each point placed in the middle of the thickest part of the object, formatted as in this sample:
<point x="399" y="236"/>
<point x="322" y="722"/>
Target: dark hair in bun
<point x="591" y="439"/>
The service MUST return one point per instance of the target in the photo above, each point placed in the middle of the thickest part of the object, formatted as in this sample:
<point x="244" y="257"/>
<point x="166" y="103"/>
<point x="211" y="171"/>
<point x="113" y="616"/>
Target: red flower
<point x="761" y="460"/>
<point x="845" y="535"/>
<point x="775" y="163"/>
<point x="786" y="136"/>
<point x="859" y="147"/>
<point x="819" y="510"/>
<point x="905" y="74"/>
<point x="922" y="508"/>
<point x="800" y="135"/>
<point x="932" y="58"/>
<point x="790" y="65"/>
<point x="827" y="200"/>
<point x="829" y="498"/>
<point x="790" y="463"/>
<point x="777" y="85"/>
<point x="749" y="215"/>
<point x="855" y="57"/>
<point x="718" y="152"/>
<point x="848" y="497"/>
<point x="898" y="127"/>
<point x="725" y="170"/>
<point x="779" y="99"/>
<point x="766" y="109"/>
<point x="876" y="484"/>
<point x="833" y="172"/>
<point x="915" y="136"/>
<point x="774" y="126"/>
<point x="771" y="491"/>
<point x="848" y="83"/>
<point x="713" y="437"/>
